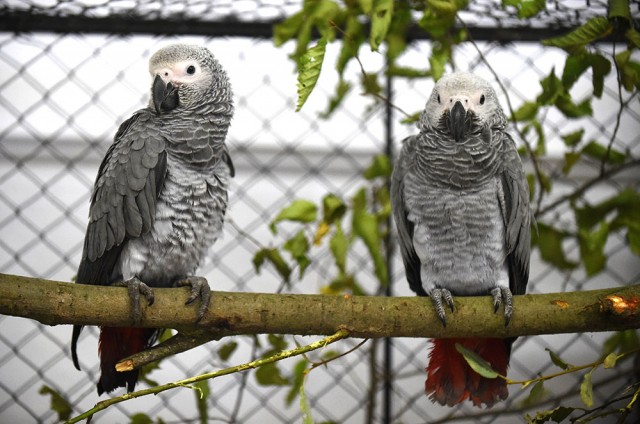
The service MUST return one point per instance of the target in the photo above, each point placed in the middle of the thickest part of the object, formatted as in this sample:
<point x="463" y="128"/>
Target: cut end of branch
<point x="125" y="365"/>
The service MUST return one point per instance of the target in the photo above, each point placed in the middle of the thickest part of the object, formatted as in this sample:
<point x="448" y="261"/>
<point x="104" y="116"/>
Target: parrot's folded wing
<point x="129" y="180"/>
<point x="403" y="225"/>
<point x="516" y="215"/>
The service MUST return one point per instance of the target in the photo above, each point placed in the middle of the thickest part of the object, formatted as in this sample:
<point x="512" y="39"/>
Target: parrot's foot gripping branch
<point x="503" y="295"/>
<point x="137" y="288"/>
<point x="199" y="289"/>
<point x="437" y="295"/>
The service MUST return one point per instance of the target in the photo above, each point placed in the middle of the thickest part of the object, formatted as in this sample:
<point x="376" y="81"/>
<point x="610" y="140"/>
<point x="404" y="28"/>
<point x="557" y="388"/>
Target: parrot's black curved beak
<point x="165" y="96"/>
<point x="457" y="118"/>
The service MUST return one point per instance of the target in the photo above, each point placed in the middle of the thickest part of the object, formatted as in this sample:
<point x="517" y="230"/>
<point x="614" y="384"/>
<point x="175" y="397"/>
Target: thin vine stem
<point x="339" y="335"/>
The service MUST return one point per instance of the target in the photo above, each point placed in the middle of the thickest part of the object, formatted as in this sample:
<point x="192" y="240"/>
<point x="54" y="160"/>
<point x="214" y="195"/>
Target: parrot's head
<point x="461" y="103"/>
<point x="185" y="77"/>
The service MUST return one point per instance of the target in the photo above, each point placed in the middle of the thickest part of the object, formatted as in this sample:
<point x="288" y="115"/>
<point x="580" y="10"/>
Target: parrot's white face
<point x="456" y="95"/>
<point x="185" y="72"/>
<point x="182" y="76"/>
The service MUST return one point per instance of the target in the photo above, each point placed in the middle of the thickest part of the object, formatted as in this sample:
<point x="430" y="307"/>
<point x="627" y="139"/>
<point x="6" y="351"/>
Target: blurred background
<point x="72" y="70"/>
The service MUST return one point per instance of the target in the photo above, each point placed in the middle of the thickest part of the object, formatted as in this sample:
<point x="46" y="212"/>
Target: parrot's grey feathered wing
<point x="403" y="225"/>
<point x="517" y="219"/>
<point x="123" y="204"/>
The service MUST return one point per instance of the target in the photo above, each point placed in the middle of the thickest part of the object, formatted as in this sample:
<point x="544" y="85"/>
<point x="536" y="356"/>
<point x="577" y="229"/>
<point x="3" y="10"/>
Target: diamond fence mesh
<point x="61" y="99"/>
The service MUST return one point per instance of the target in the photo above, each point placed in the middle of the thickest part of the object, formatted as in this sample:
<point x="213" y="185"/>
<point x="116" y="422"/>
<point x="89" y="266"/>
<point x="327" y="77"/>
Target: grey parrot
<point x="160" y="197"/>
<point x="461" y="206"/>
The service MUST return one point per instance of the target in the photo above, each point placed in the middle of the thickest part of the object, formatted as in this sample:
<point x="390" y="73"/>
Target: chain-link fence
<point x="61" y="99"/>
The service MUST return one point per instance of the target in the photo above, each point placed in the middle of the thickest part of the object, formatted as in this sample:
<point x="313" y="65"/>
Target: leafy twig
<point x="619" y="115"/>
<point x="580" y="190"/>
<point x="339" y="335"/>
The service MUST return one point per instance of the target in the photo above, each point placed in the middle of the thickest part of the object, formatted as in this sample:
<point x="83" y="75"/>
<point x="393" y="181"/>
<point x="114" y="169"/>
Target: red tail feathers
<point x="450" y="380"/>
<point x="114" y="345"/>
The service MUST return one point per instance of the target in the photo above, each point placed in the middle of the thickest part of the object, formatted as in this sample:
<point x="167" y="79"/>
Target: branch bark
<point x="53" y="303"/>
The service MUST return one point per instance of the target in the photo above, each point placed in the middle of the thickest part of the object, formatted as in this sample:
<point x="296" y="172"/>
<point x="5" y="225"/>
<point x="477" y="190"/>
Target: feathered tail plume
<point x="115" y="344"/>
<point x="450" y="379"/>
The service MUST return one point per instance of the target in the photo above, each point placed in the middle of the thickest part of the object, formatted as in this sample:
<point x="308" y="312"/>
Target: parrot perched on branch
<point x="160" y="197"/>
<point x="461" y="206"/>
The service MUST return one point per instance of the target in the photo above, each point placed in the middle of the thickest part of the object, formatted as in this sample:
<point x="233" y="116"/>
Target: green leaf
<point x="571" y="110"/>
<point x="621" y="342"/>
<point x="594" y="29"/>
<point x="333" y="208"/>
<point x="549" y="242"/>
<point x="438" y="60"/>
<point x="633" y="238"/>
<point x="526" y="112"/>
<point x="370" y="83"/>
<point x="298" y="379"/>
<point x="574" y="66"/>
<point x="601" y="68"/>
<point x="381" y="14"/>
<point x="307" y="418"/>
<point x="586" y="390"/>
<point x="626" y="203"/>
<point x="573" y="139"/>
<point x="599" y="152"/>
<point x="336" y="100"/>
<point x="407" y="72"/>
<point x="338" y="246"/>
<point x="298" y="246"/>
<point x="629" y="70"/>
<point x="557" y="361"/>
<point x="287" y="29"/>
<point x="58" y="403"/>
<point x="366" y="6"/>
<point x="298" y="211"/>
<point x="556" y="415"/>
<point x="380" y="167"/>
<point x="397" y="33"/>
<point x="610" y="360"/>
<point x="619" y="9"/>
<point x="274" y="257"/>
<point x="412" y="119"/>
<point x="634" y="37"/>
<point x="202" y="393"/>
<point x="226" y="350"/>
<point x="570" y="159"/>
<point x="552" y="88"/>
<point x="592" y="248"/>
<point x="277" y="342"/>
<point x="344" y="283"/>
<point x="526" y="8"/>
<point x="269" y="375"/>
<point x="353" y="38"/>
<point x="140" y="418"/>
<point x="365" y="226"/>
<point x="476" y="362"/>
<point x="309" y="67"/>
<point x="536" y="395"/>
<point x="540" y="148"/>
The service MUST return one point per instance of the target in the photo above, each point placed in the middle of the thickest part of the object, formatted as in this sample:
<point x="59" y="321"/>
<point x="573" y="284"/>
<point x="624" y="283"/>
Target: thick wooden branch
<point x="53" y="303"/>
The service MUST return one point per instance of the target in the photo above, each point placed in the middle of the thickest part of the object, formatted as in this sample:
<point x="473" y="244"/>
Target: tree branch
<point x="54" y="303"/>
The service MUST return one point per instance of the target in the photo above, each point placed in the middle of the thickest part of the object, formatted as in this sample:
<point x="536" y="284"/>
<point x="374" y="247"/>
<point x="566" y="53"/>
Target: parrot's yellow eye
<point x="191" y="70"/>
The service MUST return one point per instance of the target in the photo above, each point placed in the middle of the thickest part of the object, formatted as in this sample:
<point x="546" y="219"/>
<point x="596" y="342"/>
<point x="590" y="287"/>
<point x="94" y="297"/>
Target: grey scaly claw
<point x="199" y="289"/>
<point x="136" y="288"/>
<point x="437" y="295"/>
<point x="502" y="295"/>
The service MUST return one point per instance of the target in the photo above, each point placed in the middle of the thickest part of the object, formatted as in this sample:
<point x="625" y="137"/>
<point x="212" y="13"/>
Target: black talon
<point x="437" y="295"/>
